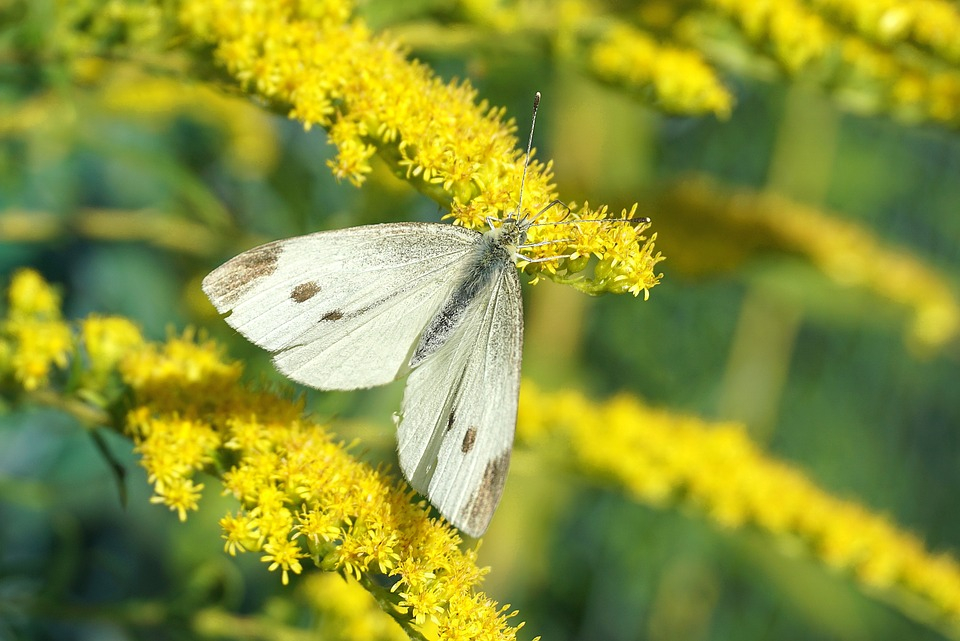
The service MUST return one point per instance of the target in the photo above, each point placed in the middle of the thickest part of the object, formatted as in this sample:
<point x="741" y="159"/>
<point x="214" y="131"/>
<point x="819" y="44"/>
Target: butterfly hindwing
<point x="455" y="431"/>
<point x="341" y="309"/>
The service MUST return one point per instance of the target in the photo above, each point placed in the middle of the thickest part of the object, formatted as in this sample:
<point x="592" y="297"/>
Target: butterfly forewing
<point x="456" y="426"/>
<point x="342" y="309"/>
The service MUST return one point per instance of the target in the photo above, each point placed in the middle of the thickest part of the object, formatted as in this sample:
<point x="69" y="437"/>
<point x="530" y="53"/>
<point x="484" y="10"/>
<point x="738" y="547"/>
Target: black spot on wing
<point x="469" y="439"/>
<point x="304" y="291"/>
<point x="450" y="420"/>
<point x="332" y="316"/>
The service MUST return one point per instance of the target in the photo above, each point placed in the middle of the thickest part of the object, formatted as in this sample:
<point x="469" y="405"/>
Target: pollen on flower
<point x="596" y="253"/>
<point x="180" y="494"/>
<point x="284" y="554"/>
<point x="246" y="434"/>
<point x="468" y="615"/>
<point x="239" y="532"/>
<point x="380" y="546"/>
<point x="244" y="482"/>
<point x="173" y="448"/>
<point x="423" y="605"/>
<point x="353" y="157"/>
<point x="275" y="521"/>
<point x="318" y="527"/>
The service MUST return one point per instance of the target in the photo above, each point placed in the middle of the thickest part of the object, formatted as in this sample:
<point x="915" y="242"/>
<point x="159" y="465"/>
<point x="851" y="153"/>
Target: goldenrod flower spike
<point x="663" y="459"/>
<point x="847" y="253"/>
<point x="681" y="79"/>
<point x="302" y="499"/>
<point x="916" y="80"/>
<point x="933" y="25"/>
<point x="334" y="73"/>
<point x="795" y="35"/>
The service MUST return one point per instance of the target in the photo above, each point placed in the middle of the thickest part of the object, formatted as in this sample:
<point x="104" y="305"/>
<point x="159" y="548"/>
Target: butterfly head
<point x="511" y="234"/>
<point x="514" y="231"/>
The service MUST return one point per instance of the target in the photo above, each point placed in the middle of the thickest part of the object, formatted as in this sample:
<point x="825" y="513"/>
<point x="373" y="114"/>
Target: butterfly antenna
<point x="526" y="159"/>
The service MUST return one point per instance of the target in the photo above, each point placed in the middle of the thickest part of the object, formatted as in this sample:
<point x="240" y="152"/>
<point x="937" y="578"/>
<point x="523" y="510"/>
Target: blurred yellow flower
<point x="346" y="611"/>
<point x="846" y="252"/>
<point x="670" y="460"/>
<point x="680" y="79"/>
<point x="36" y="339"/>
<point x="107" y="340"/>
<point x="30" y="296"/>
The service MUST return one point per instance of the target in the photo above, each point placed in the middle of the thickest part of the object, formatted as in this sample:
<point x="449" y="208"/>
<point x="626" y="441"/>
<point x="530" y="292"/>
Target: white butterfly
<point x="364" y="306"/>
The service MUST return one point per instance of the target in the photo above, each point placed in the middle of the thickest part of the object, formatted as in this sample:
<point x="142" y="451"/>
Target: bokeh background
<point x="812" y="243"/>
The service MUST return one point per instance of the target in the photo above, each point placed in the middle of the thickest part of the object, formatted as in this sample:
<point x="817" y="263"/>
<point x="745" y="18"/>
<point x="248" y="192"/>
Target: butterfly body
<point x="492" y="256"/>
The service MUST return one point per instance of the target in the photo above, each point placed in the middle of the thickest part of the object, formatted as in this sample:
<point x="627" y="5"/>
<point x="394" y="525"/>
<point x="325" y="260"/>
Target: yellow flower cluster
<point x="680" y="78"/>
<point x="874" y="75"/>
<point x="660" y="458"/>
<point x="336" y="74"/>
<point x="844" y="251"/>
<point x="795" y="35"/>
<point x="33" y="337"/>
<point x="907" y="88"/>
<point x="598" y="238"/>
<point x="92" y="27"/>
<point x="672" y="78"/>
<point x="301" y="495"/>
<point x="930" y="24"/>
<point x="108" y="340"/>
<point x="332" y="72"/>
